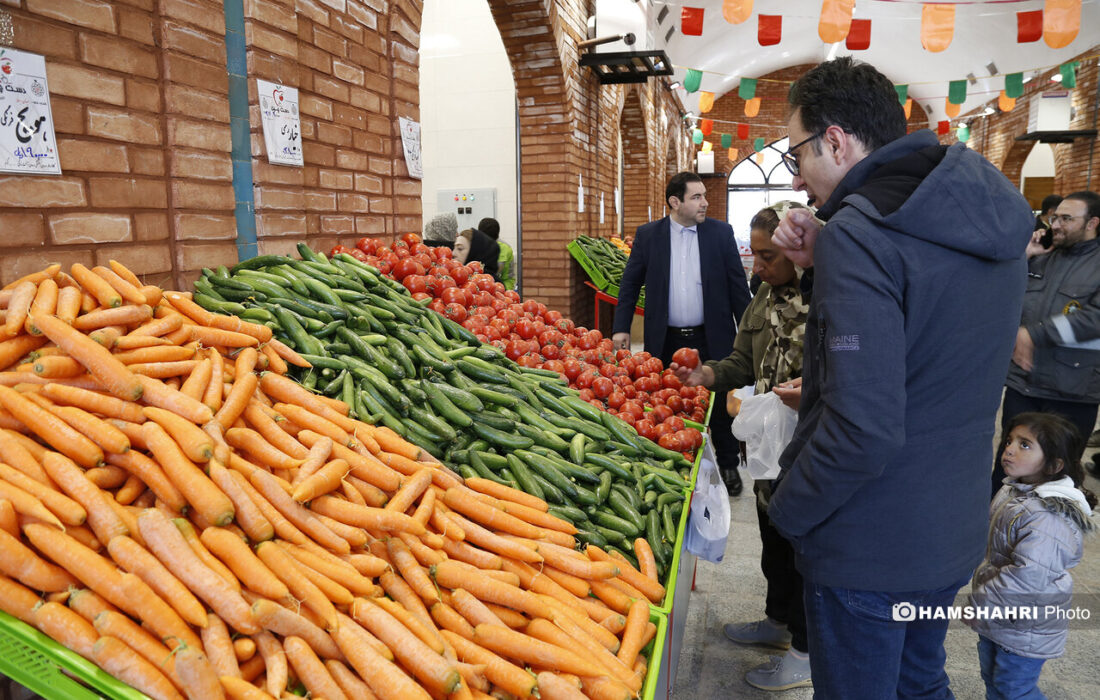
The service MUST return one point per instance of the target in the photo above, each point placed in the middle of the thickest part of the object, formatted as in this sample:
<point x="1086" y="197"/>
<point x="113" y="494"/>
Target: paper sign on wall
<point x="410" y="142"/>
<point x="282" y="125"/>
<point x="601" y="207"/>
<point x="27" y="143"/>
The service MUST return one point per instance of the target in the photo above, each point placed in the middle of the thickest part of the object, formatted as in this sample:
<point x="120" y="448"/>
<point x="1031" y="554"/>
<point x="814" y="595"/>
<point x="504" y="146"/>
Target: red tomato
<point x="698" y="415"/>
<point x="662" y="429"/>
<point x="359" y="255"/>
<point x="552" y="317"/>
<point x="621" y="354"/>
<point x="554" y="366"/>
<point x="586" y="394"/>
<point x="421" y="296"/>
<point x="337" y="249"/>
<point x="416" y="284"/>
<point x="437" y="306"/>
<point x="511" y="294"/>
<point x="454" y="295"/>
<point x="455" y="312"/>
<point x="670" y="380"/>
<point x="585" y="379"/>
<point x="573" y="369"/>
<point x="646" y="429"/>
<point x="367" y="245"/>
<point x="675" y="403"/>
<point x="529" y="360"/>
<point x="525" y="327"/>
<point x="602" y="387"/>
<point x="670" y="441"/>
<point x="628" y="417"/>
<point x="616" y="399"/>
<point x="565" y="325"/>
<point x="442" y="253"/>
<point x="635" y="408"/>
<point x="629" y="391"/>
<point x="407" y="267"/>
<point x="483" y="282"/>
<point x="686" y="357"/>
<point x="607" y="369"/>
<point x="687" y="392"/>
<point x="674" y="423"/>
<point x="410" y="238"/>
<point x="550" y="352"/>
<point x="660" y="414"/>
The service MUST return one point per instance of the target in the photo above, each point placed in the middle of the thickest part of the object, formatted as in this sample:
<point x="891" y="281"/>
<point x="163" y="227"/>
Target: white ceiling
<point x="985" y="32"/>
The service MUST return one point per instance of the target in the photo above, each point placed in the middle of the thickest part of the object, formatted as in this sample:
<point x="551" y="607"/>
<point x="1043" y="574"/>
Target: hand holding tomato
<point x="700" y="376"/>
<point x="688" y="357"/>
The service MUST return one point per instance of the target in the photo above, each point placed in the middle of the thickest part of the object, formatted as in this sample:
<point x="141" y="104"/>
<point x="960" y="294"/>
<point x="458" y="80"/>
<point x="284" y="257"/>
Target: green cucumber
<point x="523" y="476"/>
<point x="508" y="441"/>
<point x="614" y="522"/>
<point x="451" y="413"/>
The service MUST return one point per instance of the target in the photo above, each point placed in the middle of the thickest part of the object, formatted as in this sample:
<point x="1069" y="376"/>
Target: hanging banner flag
<point x="956" y="92"/>
<point x="733" y="155"/>
<point x="743" y="132"/>
<point x="950" y="108"/>
<point x="696" y="136"/>
<point x="1061" y="22"/>
<point x="1069" y="74"/>
<point x="758" y="144"/>
<point x="692" y="78"/>
<point x="859" y="36"/>
<point x="908" y="108"/>
<point x="1014" y="85"/>
<point x="963" y="133"/>
<point x="752" y="107"/>
<point x="836" y="19"/>
<point x="691" y="21"/>
<point x="727" y="140"/>
<point x="706" y="126"/>
<point x="747" y="89"/>
<point x="736" y="11"/>
<point x="937" y="27"/>
<point x="707" y="146"/>
<point x="943" y="127"/>
<point x="1006" y="103"/>
<point x="760" y="158"/>
<point x="903" y="93"/>
<point x="769" y="29"/>
<point x="706" y="101"/>
<point x="1029" y="26"/>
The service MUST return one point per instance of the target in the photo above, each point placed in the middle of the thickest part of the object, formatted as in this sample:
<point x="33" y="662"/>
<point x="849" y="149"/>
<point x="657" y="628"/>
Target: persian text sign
<point x="27" y="143"/>
<point x="282" y="126"/>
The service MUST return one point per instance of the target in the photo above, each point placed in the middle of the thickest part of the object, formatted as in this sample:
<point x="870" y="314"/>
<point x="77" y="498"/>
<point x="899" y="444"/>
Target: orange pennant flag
<point x="706" y="101"/>
<point x="736" y="11"/>
<point x="836" y="20"/>
<point x="1006" y="103"/>
<point x="937" y="27"/>
<point x="752" y="107"/>
<point x="732" y="155"/>
<point x="707" y="146"/>
<point x="760" y="158"/>
<point x="1061" y="22"/>
<point x="908" y="107"/>
<point x="951" y="110"/>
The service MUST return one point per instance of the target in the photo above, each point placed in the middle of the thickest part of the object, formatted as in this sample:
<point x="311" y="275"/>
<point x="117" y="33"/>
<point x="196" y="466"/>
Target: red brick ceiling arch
<point x="637" y="163"/>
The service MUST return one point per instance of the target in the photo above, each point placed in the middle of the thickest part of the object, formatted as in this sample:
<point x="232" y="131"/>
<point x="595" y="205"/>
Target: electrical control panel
<point x="469" y="205"/>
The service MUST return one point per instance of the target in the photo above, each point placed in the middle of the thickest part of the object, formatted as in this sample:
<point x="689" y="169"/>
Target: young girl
<point x="1037" y="524"/>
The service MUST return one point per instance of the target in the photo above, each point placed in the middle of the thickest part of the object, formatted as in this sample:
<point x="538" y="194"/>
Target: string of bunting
<point x="1058" y="23"/>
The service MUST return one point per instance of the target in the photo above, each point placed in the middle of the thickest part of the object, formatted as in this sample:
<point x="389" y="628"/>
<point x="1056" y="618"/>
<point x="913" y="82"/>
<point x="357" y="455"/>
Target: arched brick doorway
<point x="1013" y="165"/>
<point x="636" y="165"/>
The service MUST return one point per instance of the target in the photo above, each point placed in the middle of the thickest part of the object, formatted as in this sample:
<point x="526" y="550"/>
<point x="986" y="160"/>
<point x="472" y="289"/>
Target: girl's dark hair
<point x="1060" y="441"/>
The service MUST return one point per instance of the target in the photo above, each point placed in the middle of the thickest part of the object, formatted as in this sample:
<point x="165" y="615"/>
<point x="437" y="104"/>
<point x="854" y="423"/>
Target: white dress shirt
<point x="685" y="279"/>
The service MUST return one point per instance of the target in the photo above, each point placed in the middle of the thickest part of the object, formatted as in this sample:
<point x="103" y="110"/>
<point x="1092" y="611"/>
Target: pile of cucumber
<point x="397" y="363"/>
<point x="608" y="259"/>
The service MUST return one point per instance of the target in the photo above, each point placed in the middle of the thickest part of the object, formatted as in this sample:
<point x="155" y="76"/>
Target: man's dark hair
<point x="490" y="227"/>
<point x="851" y="95"/>
<point x="1050" y="202"/>
<point x="1091" y="200"/>
<point x="677" y="186"/>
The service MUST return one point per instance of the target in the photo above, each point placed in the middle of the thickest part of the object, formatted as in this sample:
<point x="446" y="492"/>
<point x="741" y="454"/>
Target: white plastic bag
<point x="765" y="425"/>
<point x="709" y="522"/>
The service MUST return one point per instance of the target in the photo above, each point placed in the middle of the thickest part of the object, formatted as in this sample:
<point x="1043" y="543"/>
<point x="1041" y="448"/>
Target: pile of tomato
<point x="623" y="383"/>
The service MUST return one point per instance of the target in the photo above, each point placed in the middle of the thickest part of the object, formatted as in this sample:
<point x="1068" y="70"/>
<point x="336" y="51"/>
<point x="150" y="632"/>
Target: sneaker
<point x="1094" y="439"/>
<point x="761" y="632"/>
<point x="781" y="673"/>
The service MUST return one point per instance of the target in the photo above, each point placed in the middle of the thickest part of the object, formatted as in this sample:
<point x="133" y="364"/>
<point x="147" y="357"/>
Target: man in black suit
<point x="695" y="293"/>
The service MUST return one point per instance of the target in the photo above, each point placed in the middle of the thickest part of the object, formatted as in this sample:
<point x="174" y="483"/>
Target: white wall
<point x="1039" y="163"/>
<point x="467" y="107"/>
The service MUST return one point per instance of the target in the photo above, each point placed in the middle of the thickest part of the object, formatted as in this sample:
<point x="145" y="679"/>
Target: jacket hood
<point x="946" y="195"/>
<point x="1061" y="496"/>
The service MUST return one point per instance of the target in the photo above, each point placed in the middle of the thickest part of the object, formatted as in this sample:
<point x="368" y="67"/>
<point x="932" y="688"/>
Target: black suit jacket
<point x="725" y="293"/>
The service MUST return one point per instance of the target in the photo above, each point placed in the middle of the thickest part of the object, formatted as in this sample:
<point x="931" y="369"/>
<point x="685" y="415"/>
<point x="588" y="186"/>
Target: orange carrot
<point x="137" y="560"/>
<point x="196" y="382"/>
<point x="351" y="684"/>
<point x="228" y="323"/>
<point x="263" y="451"/>
<point x="159" y="395"/>
<point x="473" y="610"/>
<point x="152" y="476"/>
<point x="572" y="562"/>
<point x="475" y="534"/>
<point x="431" y="669"/>
<point x="232" y="551"/>
<point x="426" y="634"/>
<point x="488" y="590"/>
<point x="22" y="564"/>
<point x="168" y="544"/>
<point x="611" y="596"/>
<point x="463" y="501"/>
<point x="64" y="508"/>
<point x="198" y="675"/>
<point x="17" y="600"/>
<point x="333" y="568"/>
<point x="283" y="566"/>
<point x="501" y="672"/>
<point x="369" y="469"/>
<point x="192" y="537"/>
<point x="51" y="429"/>
<point x="248" y="514"/>
<point x="156" y="353"/>
<point x="93" y="402"/>
<point x="591" y="649"/>
<point x="114" y="375"/>
<point x="649" y="587"/>
<point x="275" y="363"/>
<point x="50" y="272"/>
<point x="263" y="423"/>
<point x="411" y="570"/>
<point x="125" y="273"/>
<point x="503" y="640"/>
<point x="241" y="689"/>
<point x="129" y="291"/>
<point x="315" y="457"/>
<point x="65" y="626"/>
<point x="134" y="636"/>
<point x="127" y="315"/>
<point x="449" y="619"/>
<point x="162" y="326"/>
<point x="56" y="367"/>
<point x="68" y="304"/>
<point x="20" y="303"/>
<point x="365" y="516"/>
<point x="217" y="337"/>
<point x="219" y="647"/>
<point x="196" y="487"/>
<point x="87" y="603"/>
<point x="275" y="660"/>
<point x="196" y="444"/>
<point x="236" y="401"/>
<point x="101" y="516"/>
<point x="553" y="687"/>
<point x="309" y="669"/>
<point x="244" y="648"/>
<point x="107" y="336"/>
<point x="9" y="520"/>
<point x="632" y="643"/>
<point x="96" y="286"/>
<point x="103" y="434"/>
<point x="45" y="302"/>
<point x="577" y="616"/>
<point x="384" y="678"/>
<point x="326" y="480"/>
<point x="302" y="518"/>
<point x="282" y="527"/>
<point x="280" y="620"/>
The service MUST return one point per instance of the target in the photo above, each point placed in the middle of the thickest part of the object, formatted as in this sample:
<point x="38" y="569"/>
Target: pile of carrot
<point x="178" y="511"/>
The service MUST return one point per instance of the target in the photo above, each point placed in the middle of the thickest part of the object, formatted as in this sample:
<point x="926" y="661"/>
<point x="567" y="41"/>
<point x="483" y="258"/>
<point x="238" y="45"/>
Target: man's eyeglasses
<point x="1064" y="218"/>
<point x="790" y="159"/>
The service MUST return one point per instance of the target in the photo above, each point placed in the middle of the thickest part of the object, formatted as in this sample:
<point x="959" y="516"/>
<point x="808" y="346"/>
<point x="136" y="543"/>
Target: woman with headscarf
<point x="471" y="245"/>
<point x="441" y="230"/>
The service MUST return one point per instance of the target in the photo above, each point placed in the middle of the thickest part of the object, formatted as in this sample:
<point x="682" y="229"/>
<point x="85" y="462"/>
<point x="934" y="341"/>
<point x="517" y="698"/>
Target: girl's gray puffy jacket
<point x="1035" y="536"/>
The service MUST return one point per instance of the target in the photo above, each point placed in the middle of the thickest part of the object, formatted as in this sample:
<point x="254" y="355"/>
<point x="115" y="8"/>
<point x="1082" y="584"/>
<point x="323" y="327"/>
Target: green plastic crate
<point x="655" y="651"/>
<point x="577" y="251"/>
<point x="613" y="290"/>
<point x="40" y="664"/>
<point x="665" y="606"/>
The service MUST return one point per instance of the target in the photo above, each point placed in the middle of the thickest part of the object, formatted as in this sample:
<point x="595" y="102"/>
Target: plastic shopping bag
<point x="765" y="425"/>
<point x="709" y="522"/>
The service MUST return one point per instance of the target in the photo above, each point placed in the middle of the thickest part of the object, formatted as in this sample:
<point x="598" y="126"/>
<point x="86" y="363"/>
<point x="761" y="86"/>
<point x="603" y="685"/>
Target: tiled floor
<point x="733" y="590"/>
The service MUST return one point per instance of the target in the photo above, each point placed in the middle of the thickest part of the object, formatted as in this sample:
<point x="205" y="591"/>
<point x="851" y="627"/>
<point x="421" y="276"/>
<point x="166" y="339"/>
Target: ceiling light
<point x="988" y="111"/>
<point x="673" y="86"/>
<point x="1056" y="78"/>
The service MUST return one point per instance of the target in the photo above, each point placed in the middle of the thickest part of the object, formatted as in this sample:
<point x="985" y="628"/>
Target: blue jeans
<point x="858" y="651"/>
<point x="1008" y="676"/>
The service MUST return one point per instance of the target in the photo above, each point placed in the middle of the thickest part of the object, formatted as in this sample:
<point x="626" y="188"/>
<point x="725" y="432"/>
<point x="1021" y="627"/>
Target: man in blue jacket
<point x="695" y="294"/>
<point x="919" y="277"/>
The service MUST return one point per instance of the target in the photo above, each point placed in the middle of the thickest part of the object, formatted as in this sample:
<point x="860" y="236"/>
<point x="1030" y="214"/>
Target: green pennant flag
<point x="747" y="89"/>
<point x="1069" y="74"/>
<point x="758" y="144"/>
<point x="963" y="133"/>
<point x="692" y="79"/>
<point x="903" y="93"/>
<point x="727" y="140"/>
<point x="697" y="136"/>
<point x="956" y="92"/>
<point x="1014" y="85"/>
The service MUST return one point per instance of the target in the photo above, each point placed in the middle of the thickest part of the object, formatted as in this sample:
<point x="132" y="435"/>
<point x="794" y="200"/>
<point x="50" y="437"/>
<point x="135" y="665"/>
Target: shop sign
<point x="410" y="142"/>
<point x="282" y="125"/>
<point x="27" y="143"/>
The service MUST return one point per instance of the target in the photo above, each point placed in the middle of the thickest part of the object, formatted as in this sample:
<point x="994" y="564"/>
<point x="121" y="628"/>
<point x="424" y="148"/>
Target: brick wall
<point x="139" y="95"/>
